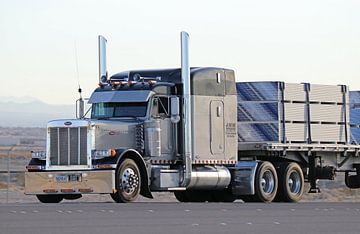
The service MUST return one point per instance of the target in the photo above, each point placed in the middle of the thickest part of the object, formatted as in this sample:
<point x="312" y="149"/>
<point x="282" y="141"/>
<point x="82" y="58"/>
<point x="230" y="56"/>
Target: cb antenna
<point x="77" y="69"/>
<point x="80" y="111"/>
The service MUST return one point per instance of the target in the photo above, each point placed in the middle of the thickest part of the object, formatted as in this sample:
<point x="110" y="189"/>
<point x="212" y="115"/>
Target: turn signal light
<point x="67" y="190"/>
<point x="151" y="82"/>
<point x="85" y="190"/>
<point x="50" y="191"/>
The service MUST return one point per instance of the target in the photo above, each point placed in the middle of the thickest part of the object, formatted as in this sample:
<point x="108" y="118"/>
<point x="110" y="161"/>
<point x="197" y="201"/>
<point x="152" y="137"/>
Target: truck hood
<point x="110" y="134"/>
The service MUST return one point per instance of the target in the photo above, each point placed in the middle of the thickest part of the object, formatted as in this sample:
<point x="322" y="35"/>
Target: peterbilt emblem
<point x="68" y="123"/>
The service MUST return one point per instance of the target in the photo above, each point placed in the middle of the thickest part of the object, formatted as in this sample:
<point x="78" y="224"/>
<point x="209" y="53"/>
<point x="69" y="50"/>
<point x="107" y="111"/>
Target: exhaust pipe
<point x="186" y="109"/>
<point x="103" y="74"/>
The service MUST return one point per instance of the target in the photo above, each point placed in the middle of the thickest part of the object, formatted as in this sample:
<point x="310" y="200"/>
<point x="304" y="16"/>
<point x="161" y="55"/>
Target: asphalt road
<point x="179" y="218"/>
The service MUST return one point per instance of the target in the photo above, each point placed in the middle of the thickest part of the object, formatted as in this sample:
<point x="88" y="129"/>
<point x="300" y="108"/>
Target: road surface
<point x="182" y="218"/>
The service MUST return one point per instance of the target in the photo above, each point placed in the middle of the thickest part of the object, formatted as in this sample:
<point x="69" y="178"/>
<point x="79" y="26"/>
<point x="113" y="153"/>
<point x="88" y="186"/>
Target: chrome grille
<point x="68" y="146"/>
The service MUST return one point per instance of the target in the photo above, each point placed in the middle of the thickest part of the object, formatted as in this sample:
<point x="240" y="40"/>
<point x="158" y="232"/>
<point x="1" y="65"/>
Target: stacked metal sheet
<point x="355" y="116"/>
<point x="298" y="113"/>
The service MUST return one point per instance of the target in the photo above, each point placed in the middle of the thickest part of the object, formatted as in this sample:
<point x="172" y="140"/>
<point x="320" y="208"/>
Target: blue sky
<point x="292" y="41"/>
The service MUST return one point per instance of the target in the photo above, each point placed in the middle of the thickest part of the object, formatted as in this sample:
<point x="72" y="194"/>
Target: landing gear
<point x="128" y="181"/>
<point x="50" y="198"/>
<point x="291" y="183"/>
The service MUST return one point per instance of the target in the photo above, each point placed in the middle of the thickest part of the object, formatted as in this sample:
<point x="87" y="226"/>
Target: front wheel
<point x="50" y="198"/>
<point x="128" y="181"/>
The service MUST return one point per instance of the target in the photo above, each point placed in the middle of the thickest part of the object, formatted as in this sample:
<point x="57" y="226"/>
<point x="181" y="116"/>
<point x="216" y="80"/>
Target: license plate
<point x="68" y="178"/>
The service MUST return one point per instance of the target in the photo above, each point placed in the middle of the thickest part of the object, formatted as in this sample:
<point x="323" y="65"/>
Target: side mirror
<point x="175" y="115"/>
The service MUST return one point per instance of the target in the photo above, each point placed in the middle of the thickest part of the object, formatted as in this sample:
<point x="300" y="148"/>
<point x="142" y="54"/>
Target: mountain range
<point x="31" y="112"/>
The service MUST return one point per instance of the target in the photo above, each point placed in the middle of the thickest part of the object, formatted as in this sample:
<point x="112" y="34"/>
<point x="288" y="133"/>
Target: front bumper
<point x="91" y="182"/>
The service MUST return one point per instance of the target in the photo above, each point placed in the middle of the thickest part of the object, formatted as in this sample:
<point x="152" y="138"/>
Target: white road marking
<point x="277" y="223"/>
<point x="224" y="210"/>
<point x="23" y="212"/>
<point x="258" y="209"/>
<point x="249" y="223"/>
<point x="102" y="210"/>
<point x="187" y="210"/>
<point x="13" y="211"/>
<point x="223" y="224"/>
<point x="60" y="211"/>
<point x="111" y="211"/>
<point x="195" y="224"/>
<point x="151" y="211"/>
<point x="69" y="211"/>
<point x="292" y="209"/>
<point x="80" y="211"/>
<point x="35" y="211"/>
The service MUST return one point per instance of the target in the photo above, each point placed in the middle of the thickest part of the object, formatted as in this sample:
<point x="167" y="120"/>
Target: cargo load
<point x="355" y="116"/>
<point x="292" y="113"/>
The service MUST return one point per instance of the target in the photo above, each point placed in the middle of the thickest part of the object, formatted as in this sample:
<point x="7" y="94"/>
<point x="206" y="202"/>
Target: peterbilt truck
<point x="196" y="132"/>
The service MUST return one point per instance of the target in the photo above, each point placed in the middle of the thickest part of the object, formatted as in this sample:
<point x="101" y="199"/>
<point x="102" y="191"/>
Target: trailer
<point x="195" y="132"/>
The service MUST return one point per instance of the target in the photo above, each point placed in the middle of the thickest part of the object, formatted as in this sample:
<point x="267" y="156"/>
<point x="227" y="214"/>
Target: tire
<point x="181" y="196"/>
<point x="72" y="196"/>
<point x="128" y="182"/>
<point x="266" y="183"/>
<point x="291" y="183"/>
<point x="192" y="196"/>
<point x="50" y="198"/>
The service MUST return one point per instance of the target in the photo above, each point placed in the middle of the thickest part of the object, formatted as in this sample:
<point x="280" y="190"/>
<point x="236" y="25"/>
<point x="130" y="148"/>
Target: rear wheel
<point x="50" y="198"/>
<point x="291" y="183"/>
<point x="128" y="181"/>
<point x="266" y="183"/>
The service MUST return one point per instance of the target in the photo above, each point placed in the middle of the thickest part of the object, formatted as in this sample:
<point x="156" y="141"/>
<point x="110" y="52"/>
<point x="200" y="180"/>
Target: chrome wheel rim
<point x="268" y="182"/>
<point x="294" y="182"/>
<point x="129" y="181"/>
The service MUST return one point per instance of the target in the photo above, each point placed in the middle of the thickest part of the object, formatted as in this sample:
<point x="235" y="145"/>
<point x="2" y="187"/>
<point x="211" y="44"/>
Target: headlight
<point x="41" y="155"/>
<point x="99" y="154"/>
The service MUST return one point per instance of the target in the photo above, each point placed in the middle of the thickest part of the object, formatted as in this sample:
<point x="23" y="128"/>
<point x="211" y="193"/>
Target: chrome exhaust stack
<point x="103" y="74"/>
<point x="186" y="110"/>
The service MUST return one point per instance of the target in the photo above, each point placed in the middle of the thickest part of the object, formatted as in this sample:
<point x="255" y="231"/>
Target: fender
<point x="136" y="156"/>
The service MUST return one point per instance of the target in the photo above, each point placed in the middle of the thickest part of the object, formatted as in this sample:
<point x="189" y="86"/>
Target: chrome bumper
<point x="89" y="182"/>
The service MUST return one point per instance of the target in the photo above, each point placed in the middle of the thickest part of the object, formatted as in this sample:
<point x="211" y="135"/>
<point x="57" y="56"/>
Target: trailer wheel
<point x="128" y="181"/>
<point x="291" y="183"/>
<point x="266" y="183"/>
<point x="50" y="198"/>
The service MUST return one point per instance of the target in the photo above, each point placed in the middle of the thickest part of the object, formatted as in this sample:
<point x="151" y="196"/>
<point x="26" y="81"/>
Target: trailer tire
<point x="291" y="183"/>
<point x="128" y="182"/>
<point x="50" y="198"/>
<point x="266" y="183"/>
<point x="352" y="181"/>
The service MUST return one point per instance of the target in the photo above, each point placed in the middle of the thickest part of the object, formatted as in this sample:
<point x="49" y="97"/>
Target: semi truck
<point x="196" y="132"/>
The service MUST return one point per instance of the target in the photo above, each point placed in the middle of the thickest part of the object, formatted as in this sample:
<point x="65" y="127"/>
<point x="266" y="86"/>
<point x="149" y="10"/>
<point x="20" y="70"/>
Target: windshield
<point x="118" y="109"/>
